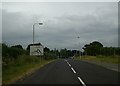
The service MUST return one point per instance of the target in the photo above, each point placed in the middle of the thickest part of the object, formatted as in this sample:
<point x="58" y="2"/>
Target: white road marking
<point x="65" y="60"/>
<point x="73" y="70"/>
<point x="69" y="65"/>
<point x="81" y="81"/>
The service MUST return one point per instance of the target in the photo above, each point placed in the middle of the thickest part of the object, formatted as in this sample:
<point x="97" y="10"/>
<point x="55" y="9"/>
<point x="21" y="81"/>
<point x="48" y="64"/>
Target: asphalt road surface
<point x="70" y="71"/>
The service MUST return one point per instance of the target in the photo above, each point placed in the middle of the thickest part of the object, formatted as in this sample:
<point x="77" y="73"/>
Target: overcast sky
<point x="63" y="22"/>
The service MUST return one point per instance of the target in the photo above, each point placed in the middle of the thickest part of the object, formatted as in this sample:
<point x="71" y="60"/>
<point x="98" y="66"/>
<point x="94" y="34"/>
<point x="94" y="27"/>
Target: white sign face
<point x="36" y="50"/>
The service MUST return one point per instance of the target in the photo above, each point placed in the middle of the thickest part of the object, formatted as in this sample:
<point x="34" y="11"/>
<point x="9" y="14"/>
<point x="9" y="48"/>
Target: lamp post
<point x="79" y="43"/>
<point x="34" y="28"/>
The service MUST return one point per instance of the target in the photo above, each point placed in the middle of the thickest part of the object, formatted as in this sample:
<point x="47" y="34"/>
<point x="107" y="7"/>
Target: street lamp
<point x="34" y="28"/>
<point x="80" y="51"/>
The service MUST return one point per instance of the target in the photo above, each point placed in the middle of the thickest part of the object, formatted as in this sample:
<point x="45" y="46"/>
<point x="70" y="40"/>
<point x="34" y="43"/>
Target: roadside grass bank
<point x="21" y="67"/>
<point x="100" y="58"/>
<point x="0" y="73"/>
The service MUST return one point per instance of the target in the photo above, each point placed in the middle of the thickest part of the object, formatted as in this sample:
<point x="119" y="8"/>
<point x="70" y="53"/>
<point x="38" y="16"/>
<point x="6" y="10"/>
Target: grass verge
<point x="21" y="67"/>
<point x="107" y="59"/>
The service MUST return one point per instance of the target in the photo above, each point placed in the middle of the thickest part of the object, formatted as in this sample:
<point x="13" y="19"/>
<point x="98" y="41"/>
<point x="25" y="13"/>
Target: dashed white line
<point x="81" y="81"/>
<point x="69" y="65"/>
<point x="65" y="60"/>
<point x="73" y="70"/>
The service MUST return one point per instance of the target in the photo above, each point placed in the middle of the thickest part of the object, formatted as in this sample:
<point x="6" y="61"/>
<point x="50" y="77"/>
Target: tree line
<point x="95" y="48"/>
<point x="63" y="53"/>
<point x="13" y="52"/>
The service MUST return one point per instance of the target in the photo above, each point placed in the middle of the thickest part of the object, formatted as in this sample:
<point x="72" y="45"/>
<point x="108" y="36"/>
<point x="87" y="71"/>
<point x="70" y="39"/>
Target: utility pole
<point x="79" y="50"/>
<point x="114" y="51"/>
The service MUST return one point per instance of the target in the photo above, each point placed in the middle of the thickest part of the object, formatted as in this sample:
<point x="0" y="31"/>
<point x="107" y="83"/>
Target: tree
<point x="110" y="51"/>
<point x="12" y="52"/>
<point x="93" y="48"/>
<point x="63" y="53"/>
<point x="46" y="49"/>
<point x="17" y="46"/>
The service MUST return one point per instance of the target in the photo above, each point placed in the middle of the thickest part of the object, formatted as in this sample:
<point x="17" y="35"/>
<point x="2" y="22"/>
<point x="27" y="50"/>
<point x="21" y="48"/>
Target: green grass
<point x="0" y="74"/>
<point x="21" y="67"/>
<point x="107" y="59"/>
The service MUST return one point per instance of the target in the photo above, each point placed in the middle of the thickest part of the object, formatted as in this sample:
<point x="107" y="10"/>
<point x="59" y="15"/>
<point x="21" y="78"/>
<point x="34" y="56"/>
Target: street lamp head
<point x="40" y="23"/>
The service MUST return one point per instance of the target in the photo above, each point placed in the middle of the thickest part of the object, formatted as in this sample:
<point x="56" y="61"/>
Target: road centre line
<point x="69" y="65"/>
<point x="65" y="60"/>
<point x="81" y="81"/>
<point x="73" y="70"/>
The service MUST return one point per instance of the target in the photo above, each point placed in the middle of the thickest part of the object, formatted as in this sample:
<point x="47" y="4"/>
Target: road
<point x="70" y="71"/>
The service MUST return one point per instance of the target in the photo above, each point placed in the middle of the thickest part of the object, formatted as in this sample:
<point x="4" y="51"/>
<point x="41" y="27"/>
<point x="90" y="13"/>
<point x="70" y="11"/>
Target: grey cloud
<point x="61" y="31"/>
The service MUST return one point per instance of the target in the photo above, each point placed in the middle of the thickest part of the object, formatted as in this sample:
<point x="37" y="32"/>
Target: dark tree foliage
<point x="110" y="51"/>
<point x="56" y="52"/>
<point x="50" y="54"/>
<point x="17" y="46"/>
<point x="96" y="48"/>
<point x="46" y="49"/>
<point x="93" y="48"/>
<point x="12" y="52"/>
<point x="5" y="50"/>
<point x="64" y="53"/>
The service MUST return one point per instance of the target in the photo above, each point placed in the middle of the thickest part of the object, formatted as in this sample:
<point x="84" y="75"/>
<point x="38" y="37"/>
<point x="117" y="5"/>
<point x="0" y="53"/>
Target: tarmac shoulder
<point x="110" y="66"/>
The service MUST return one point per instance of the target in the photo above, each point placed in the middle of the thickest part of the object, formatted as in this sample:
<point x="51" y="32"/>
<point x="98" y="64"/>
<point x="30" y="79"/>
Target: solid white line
<point x="81" y="81"/>
<point x="73" y="70"/>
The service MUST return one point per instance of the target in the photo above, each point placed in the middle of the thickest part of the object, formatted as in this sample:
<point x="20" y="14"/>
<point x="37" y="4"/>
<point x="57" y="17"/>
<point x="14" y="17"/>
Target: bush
<point x="48" y="56"/>
<point x="10" y="53"/>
